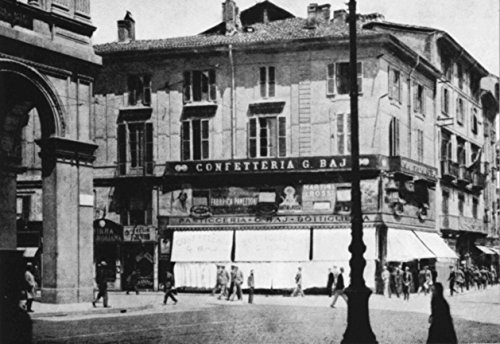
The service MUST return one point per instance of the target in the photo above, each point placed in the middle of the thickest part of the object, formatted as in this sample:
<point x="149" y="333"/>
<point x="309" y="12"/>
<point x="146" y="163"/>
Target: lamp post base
<point x="358" y="321"/>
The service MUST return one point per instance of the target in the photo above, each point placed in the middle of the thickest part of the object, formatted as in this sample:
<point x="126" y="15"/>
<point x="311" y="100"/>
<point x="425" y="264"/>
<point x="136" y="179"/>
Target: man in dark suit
<point x="339" y="288"/>
<point x="329" y="283"/>
<point x="102" y="284"/>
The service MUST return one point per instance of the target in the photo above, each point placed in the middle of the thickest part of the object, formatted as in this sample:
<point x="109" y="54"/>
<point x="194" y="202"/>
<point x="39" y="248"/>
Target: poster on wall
<point x="319" y="197"/>
<point x="234" y="200"/>
<point x="289" y="199"/>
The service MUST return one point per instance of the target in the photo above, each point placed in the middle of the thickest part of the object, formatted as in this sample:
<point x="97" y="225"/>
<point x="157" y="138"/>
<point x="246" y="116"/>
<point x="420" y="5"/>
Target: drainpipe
<point x="410" y="101"/>
<point x="233" y="102"/>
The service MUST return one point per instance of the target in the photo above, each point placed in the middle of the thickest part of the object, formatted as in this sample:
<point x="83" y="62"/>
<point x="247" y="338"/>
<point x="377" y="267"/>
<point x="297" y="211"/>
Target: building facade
<point x="233" y="147"/>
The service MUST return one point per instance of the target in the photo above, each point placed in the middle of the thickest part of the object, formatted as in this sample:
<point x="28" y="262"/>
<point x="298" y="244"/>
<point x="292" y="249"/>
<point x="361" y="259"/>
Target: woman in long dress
<point x="441" y="329"/>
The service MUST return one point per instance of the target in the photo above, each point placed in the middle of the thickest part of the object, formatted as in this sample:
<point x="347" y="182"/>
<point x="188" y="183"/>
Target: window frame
<point x="203" y="151"/>
<point x="395" y="85"/>
<point x="144" y="154"/>
<point x="139" y="87"/>
<point x="255" y="139"/>
<point x="343" y="135"/>
<point x="420" y="145"/>
<point x="474" y="121"/>
<point x="419" y="98"/>
<point x="460" y="111"/>
<point x="267" y="81"/>
<point x="445" y="101"/>
<point x="207" y="85"/>
<point x="394" y="138"/>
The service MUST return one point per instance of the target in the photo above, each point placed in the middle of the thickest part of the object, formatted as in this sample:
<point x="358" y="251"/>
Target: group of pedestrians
<point x="400" y="281"/>
<point x="229" y="284"/>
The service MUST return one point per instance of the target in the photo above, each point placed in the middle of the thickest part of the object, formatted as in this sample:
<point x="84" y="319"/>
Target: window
<point x="446" y="67"/>
<point x="195" y="139"/>
<point x="461" y="152"/>
<point x="460" y="76"/>
<point x="342" y="80"/>
<point x="420" y="145"/>
<point x="419" y="99"/>
<point x="139" y="89"/>
<point x="446" y="146"/>
<point x="267" y="82"/>
<point x="445" y="101"/>
<point x="394" y="137"/>
<point x="395" y="84"/>
<point x="136" y="207"/>
<point x="475" y="205"/>
<point x="446" y="202"/>
<point x="474" y="124"/>
<point x="460" y="111"/>
<point x="343" y="134"/>
<point x="461" y="203"/>
<point x="267" y="136"/>
<point x="199" y="85"/>
<point x="135" y="147"/>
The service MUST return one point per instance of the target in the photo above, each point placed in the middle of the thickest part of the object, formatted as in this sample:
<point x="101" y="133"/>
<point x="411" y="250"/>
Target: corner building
<point x="234" y="146"/>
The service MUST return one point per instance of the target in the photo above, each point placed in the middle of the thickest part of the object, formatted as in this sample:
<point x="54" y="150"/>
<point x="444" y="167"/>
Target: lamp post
<point x="358" y="321"/>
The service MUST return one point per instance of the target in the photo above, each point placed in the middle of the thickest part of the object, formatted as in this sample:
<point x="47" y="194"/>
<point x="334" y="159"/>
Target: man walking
<point x="386" y="277"/>
<point x="231" y="283"/>
<point x="407" y="282"/>
<point x="132" y="281"/>
<point x="30" y="287"/>
<point x="329" y="283"/>
<point x="298" y="283"/>
<point x="238" y="281"/>
<point x="169" y="288"/>
<point x="452" y="279"/>
<point x="421" y="281"/>
<point x="102" y="284"/>
<point x="251" y="286"/>
<point x="339" y="288"/>
<point x="224" y="280"/>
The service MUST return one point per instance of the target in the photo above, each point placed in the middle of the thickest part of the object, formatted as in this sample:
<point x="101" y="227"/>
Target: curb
<point x="95" y="311"/>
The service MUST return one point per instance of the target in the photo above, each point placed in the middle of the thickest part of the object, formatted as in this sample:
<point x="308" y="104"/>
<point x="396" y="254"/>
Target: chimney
<point x="339" y="17"/>
<point x="317" y="14"/>
<point x="231" y="17"/>
<point x="126" y="29"/>
<point x="374" y="17"/>
<point x="325" y="12"/>
<point x="311" y="13"/>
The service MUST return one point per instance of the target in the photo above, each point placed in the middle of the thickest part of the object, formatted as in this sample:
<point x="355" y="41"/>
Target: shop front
<point x="108" y="239"/>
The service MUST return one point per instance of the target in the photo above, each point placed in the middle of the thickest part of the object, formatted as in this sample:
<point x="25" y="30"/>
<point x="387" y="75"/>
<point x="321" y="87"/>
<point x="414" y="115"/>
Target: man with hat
<point x="102" y="284"/>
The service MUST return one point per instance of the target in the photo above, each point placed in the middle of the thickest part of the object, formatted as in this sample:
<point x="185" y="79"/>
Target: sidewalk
<point x="482" y="305"/>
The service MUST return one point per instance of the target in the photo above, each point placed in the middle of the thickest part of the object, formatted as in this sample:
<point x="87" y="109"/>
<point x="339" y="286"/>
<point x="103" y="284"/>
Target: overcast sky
<point x="473" y="23"/>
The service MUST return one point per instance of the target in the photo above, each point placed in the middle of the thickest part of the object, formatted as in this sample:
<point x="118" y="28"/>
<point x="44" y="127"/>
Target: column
<point x="68" y="201"/>
<point x="8" y="230"/>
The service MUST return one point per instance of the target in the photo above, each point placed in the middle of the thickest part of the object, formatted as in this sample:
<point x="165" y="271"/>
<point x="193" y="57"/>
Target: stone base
<point x="67" y="295"/>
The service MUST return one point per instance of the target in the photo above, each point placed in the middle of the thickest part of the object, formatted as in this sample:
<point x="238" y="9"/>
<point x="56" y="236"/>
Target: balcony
<point x="462" y="224"/>
<point x="449" y="170"/>
<point x="478" y="181"/>
<point x="464" y="175"/>
<point x="127" y="169"/>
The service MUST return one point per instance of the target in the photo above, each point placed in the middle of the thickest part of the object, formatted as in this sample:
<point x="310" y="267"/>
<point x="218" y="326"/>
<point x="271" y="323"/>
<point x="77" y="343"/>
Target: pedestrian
<point x="421" y="281"/>
<point x="398" y="280"/>
<point x="452" y="279"/>
<point x="407" y="282"/>
<point x="434" y="274"/>
<point x="251" y="286"/>
<point x="238" y="281"/>
<point x="298" y="283"/>
<point x="339" y="288"/>
<point x="217" y="280"/>
<point x="30" y="287"/>
<point x="441" y="328"/>
<point x="102" y="284"/>
<point x="428" y="280"/>
<point x="132" y="282"/>
<point x="460" y="278"/>
<point x="329" y="283"/>
<point x="232" y="277"/>
<point x="386" y="277"/>
<point x="224" y="280"/>
<point x="169" y="288"/>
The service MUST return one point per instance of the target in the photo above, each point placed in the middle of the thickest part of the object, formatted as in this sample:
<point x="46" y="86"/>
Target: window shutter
<point x="132" y="89"/>
<point x="281" y="136"/>
<point x="149" y="148"/>
<point x="340" y="133"/>
<point x="187" y="86"/>
<point x="122" y="148"/>
<point x="415" y="97"/>
<point x="213" y="89"/>
<point x="272" y="82"/>
<point x="185" y="139"/>
<point x="204" y="139"/>
<point x="390" y="74"/>
<point x="146" y="92"/>
<point x="252" y="137"/>
<point x="263" y="79"/>
<point x="330" y="79"/>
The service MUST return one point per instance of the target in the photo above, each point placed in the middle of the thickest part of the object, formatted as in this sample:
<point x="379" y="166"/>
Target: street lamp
<point x="358" y="320"/>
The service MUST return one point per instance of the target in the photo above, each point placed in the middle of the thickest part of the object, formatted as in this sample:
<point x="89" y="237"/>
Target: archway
<point x="66" y="175"/>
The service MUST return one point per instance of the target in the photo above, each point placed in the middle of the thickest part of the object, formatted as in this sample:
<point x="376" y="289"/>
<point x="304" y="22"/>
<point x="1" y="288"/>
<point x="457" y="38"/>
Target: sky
<point x="472" y="23"/>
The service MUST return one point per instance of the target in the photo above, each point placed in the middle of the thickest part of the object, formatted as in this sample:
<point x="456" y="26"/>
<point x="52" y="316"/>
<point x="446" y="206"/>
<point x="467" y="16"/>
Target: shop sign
<point x="319" y="197"/>
<point x="139" y="233"/>
<point x="233" y="200"/>
<point x="280" y="219"/>
<point x="415" y="168"/>
<point x="303" y="164"/>
<point x="107" y="231"/>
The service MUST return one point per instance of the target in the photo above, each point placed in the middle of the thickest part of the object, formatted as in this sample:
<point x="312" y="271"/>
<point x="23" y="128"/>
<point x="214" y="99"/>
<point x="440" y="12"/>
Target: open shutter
<point x="252" y="137"/>
<point x="330" y="79"/>
<point x="122" y="148"/>
<point x="263" y="79"/>
<point x="213" y="89"/>
<point x="185" y="139"/>
<point x="149" y="165"/>
<point x="187" y="86"/>
<point x="272" y="82"/>
<point x="146" y="92"/>
<point x="281" y="136"/>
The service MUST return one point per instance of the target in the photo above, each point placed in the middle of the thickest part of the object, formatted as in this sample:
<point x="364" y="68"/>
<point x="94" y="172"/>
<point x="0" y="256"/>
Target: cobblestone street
<point x="200" y="318"/>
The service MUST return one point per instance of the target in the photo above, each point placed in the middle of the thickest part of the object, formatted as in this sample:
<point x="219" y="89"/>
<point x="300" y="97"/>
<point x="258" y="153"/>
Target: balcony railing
<point x="128" y="169"/>
<point x="464" y="175"/>
<point x="449" y="169"/>
<point x="463" y="224"/>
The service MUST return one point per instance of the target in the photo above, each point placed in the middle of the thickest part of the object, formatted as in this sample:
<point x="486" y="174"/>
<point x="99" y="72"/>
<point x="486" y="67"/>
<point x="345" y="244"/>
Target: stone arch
<point x="48" y="101"/>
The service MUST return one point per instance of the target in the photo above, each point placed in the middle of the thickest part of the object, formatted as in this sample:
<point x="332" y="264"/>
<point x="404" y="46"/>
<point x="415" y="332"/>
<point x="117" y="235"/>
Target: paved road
<point x="203" y="319"/>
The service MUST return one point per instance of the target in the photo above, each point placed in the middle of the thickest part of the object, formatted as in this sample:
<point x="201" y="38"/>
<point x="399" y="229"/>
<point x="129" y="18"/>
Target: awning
<point x="333" y="244"/>
<point x="272" y="245"/>
<point x="403" y="245"/>
<point x="485" y="250"/>
<point x="202" y="246"/>
<point x="496" y="250"/>
<point x="29" y="252"/>
<point x="436" y="244"/>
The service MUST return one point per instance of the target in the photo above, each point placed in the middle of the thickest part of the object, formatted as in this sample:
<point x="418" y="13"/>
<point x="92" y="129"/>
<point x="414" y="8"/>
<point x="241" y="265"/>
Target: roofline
<point x="441" y="33"/>
<point x="381" y="38"/>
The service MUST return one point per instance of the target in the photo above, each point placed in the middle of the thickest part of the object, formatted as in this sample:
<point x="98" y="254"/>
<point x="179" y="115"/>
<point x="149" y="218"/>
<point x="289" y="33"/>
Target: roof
<point x="290" y="29"/>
